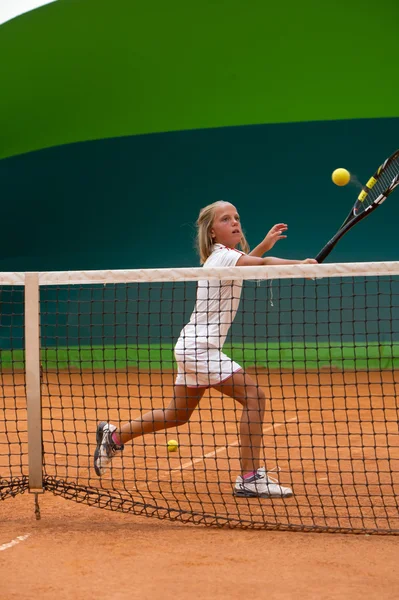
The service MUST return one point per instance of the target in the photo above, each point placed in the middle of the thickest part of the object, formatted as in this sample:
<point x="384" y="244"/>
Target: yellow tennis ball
<point x="341" y="177"/>
<point x="172" y="445"/>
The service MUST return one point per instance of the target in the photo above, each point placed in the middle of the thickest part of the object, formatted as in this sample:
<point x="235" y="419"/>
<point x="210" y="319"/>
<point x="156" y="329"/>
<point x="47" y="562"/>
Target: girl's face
<point x="226" y="227"/>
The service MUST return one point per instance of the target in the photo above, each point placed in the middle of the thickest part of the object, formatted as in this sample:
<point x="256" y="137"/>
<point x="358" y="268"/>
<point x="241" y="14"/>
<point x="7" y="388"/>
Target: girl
<point x="202" y="364"/>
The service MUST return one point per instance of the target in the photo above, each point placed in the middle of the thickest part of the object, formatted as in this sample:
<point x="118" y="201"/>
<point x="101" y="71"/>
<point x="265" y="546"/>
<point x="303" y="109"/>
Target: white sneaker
<point x="260" y="485"/>
<point x="106" y="448"/>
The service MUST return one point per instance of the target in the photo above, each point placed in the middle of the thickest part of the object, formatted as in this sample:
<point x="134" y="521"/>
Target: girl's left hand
<point x="274" y="235"/>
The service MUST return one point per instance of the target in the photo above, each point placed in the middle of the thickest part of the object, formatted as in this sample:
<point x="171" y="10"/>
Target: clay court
<point x="333" y="437"/>
<point x="81" y="552"/>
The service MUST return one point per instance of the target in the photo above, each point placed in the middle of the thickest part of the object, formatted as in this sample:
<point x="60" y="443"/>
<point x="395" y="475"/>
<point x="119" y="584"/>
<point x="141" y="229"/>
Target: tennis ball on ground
<point x="172" y="445"/>
<point x="341" y="177"/>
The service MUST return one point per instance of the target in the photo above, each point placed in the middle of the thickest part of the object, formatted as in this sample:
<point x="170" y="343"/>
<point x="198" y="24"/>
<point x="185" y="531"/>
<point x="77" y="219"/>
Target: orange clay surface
<point x="78" y="552"/>
<point x="333" y="436"/>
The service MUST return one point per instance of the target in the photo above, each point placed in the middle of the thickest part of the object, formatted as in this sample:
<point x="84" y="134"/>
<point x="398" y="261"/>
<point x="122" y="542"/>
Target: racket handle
<point x="324" y="252"/>
<point x="322" y="255"/>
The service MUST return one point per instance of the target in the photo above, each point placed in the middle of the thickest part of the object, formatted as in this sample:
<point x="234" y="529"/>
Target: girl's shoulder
<point x="222" y="256"/>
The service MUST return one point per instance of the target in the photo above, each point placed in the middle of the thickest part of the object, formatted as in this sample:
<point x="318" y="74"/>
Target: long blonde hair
<point x="204" y="226"/>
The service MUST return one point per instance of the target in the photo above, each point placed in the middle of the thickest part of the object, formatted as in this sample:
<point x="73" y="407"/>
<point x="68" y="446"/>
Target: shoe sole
<point x="247" y="494"/>
<point x="99" y="439"/>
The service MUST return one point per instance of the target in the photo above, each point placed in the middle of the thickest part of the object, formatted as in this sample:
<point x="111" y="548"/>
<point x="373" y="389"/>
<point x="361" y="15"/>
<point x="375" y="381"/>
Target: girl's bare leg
<point x="243" y="388"/>
<point x="178" y="412"/>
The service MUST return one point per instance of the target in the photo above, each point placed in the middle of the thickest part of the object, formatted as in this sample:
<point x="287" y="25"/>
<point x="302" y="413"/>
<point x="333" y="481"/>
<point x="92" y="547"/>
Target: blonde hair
<point x="204" y="226"/>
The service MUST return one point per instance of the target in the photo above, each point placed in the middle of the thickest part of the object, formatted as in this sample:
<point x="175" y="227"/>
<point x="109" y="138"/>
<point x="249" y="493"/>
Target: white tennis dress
<point x="200" y="361"/>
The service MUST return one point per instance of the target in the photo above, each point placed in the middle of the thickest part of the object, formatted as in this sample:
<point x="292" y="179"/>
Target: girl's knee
<point x="257" y="394"/>
<point x="257" y="401"/>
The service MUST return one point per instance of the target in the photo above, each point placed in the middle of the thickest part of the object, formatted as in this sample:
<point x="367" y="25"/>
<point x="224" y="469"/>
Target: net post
<point x="33" y="386"/>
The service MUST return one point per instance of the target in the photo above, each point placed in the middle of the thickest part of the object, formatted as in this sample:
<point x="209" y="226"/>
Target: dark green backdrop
<point x="132" y="202"/>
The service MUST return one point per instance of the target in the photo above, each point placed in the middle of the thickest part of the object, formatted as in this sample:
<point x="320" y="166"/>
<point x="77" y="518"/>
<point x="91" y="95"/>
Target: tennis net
<point x="321" y="342"/>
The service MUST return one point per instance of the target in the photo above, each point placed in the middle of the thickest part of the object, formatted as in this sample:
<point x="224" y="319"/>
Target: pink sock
<point x="116" y="439"/>
<point x="249" y="474"/>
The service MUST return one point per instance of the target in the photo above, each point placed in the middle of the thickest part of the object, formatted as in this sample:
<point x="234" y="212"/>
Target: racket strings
<point x="385" y="179"/>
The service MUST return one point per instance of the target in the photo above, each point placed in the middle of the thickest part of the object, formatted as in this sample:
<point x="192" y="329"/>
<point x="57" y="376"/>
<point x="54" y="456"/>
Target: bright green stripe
<point x="272" y="356"/>
<point x="95" y="69"/>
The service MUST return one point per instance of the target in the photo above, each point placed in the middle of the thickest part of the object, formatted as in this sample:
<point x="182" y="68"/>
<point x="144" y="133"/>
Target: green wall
<point x="255" y="104"/>
<point x="132" y="202"/>
<point x="90" y="69"/>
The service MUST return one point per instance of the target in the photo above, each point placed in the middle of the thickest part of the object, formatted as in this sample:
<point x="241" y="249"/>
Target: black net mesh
<point x="324" y="353"/>
<point x="13" y="418"/>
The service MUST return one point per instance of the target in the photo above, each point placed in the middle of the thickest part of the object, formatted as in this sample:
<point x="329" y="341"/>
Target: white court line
<point x="224" y="448"/>
<point x="20" y="538"/>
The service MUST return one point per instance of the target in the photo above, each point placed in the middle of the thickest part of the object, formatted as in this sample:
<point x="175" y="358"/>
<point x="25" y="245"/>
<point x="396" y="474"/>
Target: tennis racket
<point x="376" y="190"/>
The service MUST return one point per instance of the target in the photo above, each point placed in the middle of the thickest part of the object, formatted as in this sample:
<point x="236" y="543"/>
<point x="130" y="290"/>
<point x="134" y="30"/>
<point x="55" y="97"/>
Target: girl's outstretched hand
<point x="310" y="261"/>
<point x="274" y="235"/>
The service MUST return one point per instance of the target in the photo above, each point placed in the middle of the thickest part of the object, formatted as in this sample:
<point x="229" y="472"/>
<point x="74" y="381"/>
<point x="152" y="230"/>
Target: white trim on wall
<point x="9" y="9"/>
